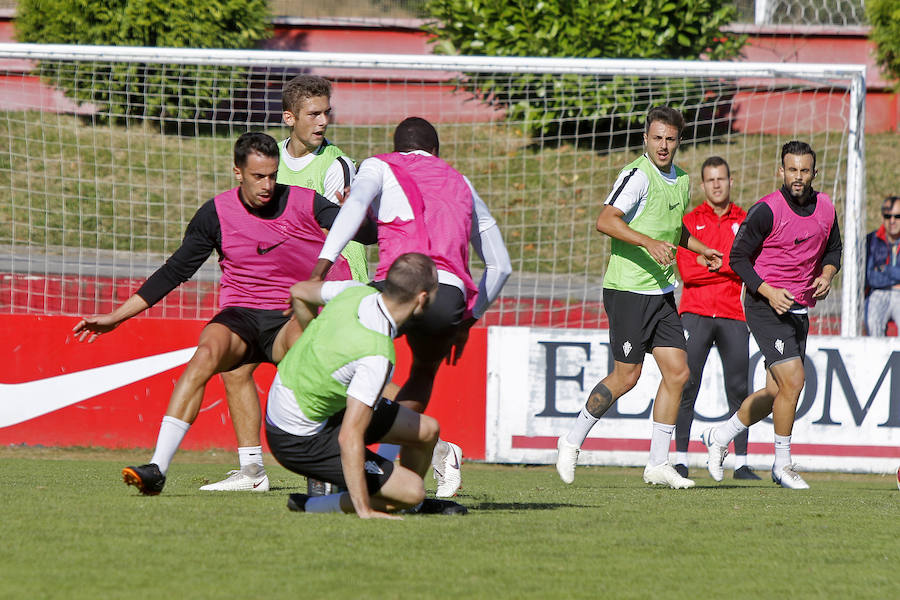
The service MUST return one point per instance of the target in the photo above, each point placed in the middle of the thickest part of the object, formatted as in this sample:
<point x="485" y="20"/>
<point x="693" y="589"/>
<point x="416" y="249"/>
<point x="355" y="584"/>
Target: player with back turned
<point x="423" y="204"/>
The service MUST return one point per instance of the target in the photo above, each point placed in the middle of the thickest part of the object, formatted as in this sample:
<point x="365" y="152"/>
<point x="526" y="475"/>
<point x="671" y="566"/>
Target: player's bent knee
<point x="682" y="378"/>
<point x="205" y="360"/>
<point x="403" y="487"/>
<point x="429" y="429"/>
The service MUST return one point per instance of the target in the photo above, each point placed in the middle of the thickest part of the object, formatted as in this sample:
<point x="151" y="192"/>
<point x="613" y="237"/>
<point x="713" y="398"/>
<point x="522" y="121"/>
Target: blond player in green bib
<point x="309" y="160"/>
<point x="643" y="216"/>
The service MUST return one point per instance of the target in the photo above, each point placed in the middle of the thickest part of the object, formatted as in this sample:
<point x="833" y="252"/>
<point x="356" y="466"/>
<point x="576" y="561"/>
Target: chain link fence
<point x="837" y="13"/>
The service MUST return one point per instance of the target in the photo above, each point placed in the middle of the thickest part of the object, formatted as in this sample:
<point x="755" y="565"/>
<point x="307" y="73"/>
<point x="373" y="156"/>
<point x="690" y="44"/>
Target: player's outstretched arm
<point x="89" y="328"/>
<point x="611" y="223"/>
<point x="353" y="456"/>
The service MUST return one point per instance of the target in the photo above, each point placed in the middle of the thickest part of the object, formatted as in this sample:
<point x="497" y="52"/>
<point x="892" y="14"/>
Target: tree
<point x="884" y="15"/>
<point x="125" y="92"/>
<point x="661" y="29"/>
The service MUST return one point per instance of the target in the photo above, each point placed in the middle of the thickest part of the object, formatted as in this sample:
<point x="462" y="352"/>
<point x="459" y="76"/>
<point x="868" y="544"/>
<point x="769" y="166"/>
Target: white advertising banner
<point x="848" y="416"/>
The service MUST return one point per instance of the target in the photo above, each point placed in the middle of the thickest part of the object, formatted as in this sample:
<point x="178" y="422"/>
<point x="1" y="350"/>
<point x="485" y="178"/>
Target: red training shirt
<point x="711" y="294"/>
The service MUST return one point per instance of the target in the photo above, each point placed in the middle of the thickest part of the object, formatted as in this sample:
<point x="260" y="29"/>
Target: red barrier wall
<point x="37" y="347"/>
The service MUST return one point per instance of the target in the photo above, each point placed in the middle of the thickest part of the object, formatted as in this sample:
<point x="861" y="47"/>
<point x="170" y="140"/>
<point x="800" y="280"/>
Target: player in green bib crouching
<point x="325" y="405"/>
<point x="643" y="216"/>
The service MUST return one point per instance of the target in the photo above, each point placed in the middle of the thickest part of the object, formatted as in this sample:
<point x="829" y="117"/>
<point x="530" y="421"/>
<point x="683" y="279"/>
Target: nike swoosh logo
<point x="674" y="206"/>
<point x="800" y="241"/>
<point x="21" y="402"/>
<point x="699" y="227"/>
<point x="455" y="464"/>
<point x="261" y="250"/>
<point x="258" y="483"/>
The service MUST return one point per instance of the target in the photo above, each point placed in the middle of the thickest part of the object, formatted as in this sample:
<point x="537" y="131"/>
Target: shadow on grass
<point x="517" y="506"/>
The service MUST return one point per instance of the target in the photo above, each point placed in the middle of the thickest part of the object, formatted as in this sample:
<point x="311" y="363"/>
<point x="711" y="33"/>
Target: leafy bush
<point x="884" y="15"/>
<point x="123" y="92"/>
<point x="658" y="29"/>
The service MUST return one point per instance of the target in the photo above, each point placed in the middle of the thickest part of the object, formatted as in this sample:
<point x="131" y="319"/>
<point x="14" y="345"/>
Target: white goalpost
<point x="98" y="187"/>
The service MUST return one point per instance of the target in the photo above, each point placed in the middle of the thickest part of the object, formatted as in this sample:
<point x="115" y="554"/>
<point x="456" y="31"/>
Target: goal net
<point x="107" y="153"/>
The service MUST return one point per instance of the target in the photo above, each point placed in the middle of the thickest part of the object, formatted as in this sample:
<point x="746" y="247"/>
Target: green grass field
<point x="71" y="529"/>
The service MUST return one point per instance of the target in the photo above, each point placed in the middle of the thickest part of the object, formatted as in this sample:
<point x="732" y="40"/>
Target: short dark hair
<point x="415" y="133"/>
<point x="714" y="161"/>
<point x="410" y="274"/>
<point x="889" y="202"/>
<point x="797" y="148"/>
<point x="254" y="141"/>
<point x="667" y="115"/>
<point x="302" y="87"/>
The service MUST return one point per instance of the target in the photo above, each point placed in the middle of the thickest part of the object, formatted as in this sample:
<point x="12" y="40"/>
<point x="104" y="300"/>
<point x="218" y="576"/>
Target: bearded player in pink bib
<point x="787" y="252"/>
<point x="268" y="237"/>
<point x="422" y="204"/>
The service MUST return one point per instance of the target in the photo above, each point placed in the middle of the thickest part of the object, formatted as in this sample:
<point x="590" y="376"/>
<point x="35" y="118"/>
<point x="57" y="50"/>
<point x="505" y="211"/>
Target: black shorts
<point x="638" y="323"/>
<point x="319" y="456"/>
<point x="431" y="335"/>
<point x="780" y="337"/>
<point x="257" y="327"/>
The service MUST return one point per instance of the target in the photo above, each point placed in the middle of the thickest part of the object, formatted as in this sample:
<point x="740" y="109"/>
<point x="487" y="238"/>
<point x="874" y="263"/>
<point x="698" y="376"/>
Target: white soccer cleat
<point x="251" y="478"/>
<point x="447" y="472"/>
<point x="716" y="454"/>
<point x="665" y="474"/>
<point x="566" y="457"/>
<point x="789" y="478"/>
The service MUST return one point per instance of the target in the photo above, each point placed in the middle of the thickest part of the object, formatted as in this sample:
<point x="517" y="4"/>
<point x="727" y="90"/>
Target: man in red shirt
<point x="711" y="310"/>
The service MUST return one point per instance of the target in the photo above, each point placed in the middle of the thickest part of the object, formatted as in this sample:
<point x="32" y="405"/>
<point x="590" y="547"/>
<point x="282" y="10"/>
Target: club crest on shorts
<point x="373" y="468"/>
<point x="779" y="345"/>
<point x="626" y="348"/>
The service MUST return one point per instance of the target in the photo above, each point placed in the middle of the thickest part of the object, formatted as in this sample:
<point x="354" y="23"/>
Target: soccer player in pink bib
<point x="422" y="204"/>
<point x="787" y="252"/>
<point x="267" y="237"/>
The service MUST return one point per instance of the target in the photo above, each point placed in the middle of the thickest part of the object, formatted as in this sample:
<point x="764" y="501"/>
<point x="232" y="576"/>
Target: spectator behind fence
<point x="883" y="270"/>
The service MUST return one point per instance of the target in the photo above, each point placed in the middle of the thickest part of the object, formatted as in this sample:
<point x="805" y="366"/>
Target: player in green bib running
<point x="307" y="160"/>
<point x="643" y="216"/>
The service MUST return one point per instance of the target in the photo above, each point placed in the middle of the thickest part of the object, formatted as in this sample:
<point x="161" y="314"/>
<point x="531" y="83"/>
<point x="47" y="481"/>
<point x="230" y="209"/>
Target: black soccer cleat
<point x="745" y="472"/>
<point x="681" y="470"/>
<point x="297" y="502"/>
<point x="435" y="506"/>
<point x="146" y="478"/>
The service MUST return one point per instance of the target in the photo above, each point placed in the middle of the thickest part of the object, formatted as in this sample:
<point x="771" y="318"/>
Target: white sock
<point x="250" y="455"/>
<point x="660" y="439"/>
<point x="324" y="504"/>
<point x="727" y="431"/>
<point x="440" y="452"/>
<point x="681" y="458"/>
<point x="171" y="432"/>
<point x="584" y="422"/>
<point x="740" y="460"/>
<point x="389" y="451"/>
<point x="782" y="452"/>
